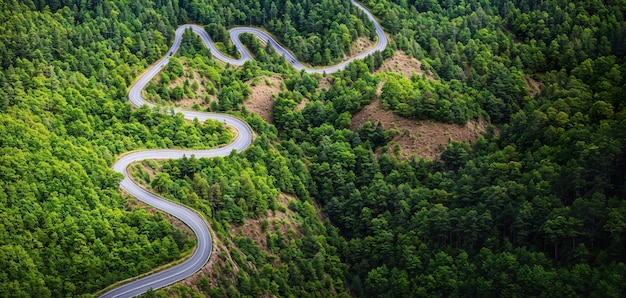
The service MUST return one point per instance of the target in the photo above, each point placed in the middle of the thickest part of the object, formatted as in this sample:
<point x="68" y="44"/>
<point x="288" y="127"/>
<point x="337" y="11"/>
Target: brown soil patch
<point x="302" y="103"/>
<point x="359" y="46"/>
<point x="324" y="83"/>
<point x="279" y="221"/>
<point x="142" y="167"/>
<point x="402" y="63"/>
<point x="533" y="85"/>
<point x="260" y="100"/>
<point x="425" y="138"/>
<point x="467" y="70"/>
<point x="220" y="256"/>
<point x="193" y="76"/>
<point x="146" y="167"/>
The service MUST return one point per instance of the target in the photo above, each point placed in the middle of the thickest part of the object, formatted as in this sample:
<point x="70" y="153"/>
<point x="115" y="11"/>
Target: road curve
<point x="244" y="139"/>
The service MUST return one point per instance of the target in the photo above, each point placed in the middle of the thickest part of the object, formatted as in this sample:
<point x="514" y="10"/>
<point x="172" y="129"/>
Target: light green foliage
<point x="66" y="229"/>
<point x="422" y="98"/>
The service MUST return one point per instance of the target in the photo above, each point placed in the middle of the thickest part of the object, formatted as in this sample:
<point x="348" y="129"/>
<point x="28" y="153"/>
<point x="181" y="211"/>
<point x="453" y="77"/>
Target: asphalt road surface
<point x="244" y="138"/>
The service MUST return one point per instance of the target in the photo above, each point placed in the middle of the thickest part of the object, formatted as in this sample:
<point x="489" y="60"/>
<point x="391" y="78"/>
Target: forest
<point x="533" y="207"/>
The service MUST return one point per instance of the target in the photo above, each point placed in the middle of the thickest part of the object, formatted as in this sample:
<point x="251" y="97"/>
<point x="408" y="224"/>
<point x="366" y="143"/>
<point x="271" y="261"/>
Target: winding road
<point x="244" y="138"/>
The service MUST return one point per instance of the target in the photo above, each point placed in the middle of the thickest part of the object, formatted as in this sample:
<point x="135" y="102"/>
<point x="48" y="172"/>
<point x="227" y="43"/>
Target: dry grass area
<point x="533" y="85"/>
<point x="425" y="138"/>
<point x="359" y="46"/>
<point x="220" y="258"/>
<point x="260" y="100"/>
<point x="402" y="63"/>
<point x="324" y="83"/>
<point x="279" y="221"/>
<point x="302" y="103"/>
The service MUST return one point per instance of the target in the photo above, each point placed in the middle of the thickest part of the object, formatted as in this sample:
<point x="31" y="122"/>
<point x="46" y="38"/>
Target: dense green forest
<point x="263" y="188"/>
<point x="533" y="208"/>
<point x="319" y="32"/>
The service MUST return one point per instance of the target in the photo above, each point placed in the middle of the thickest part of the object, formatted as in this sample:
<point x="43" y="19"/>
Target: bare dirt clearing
<point x="192" y="77"/>
<point x="425" y="138"/>
<point x="324" y="83"/>
<point x="260" y="100"/>
<point x="359" y="46"/>
<point x="213" y="270"/>
<point x="402" y="63"/>
<point x="533" y="85"/>
<point x="302" y="104"/>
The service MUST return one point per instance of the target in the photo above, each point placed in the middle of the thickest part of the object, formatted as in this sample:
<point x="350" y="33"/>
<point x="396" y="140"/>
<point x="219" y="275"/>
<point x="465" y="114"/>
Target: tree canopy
<point x="534" y="207"/>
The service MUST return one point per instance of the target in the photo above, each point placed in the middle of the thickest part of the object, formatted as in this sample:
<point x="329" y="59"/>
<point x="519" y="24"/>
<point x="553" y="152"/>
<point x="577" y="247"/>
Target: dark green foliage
<point x="540" y="205"/>
<point x="535" y="211"/>
<point x="486" y="46"/>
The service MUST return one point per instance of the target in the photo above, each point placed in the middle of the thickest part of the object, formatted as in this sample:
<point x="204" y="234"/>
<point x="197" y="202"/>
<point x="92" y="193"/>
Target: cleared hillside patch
<point x="425" y="138"/>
